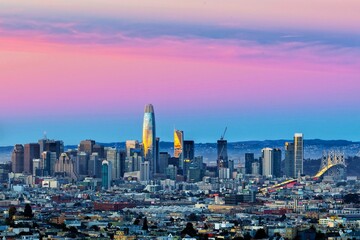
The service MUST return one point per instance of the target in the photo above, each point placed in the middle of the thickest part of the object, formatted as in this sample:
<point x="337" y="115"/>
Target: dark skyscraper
<point x="249" y="159"/>
<point x="222" y="160"/>
<point x="189" y="149"/>
<point x="277" y="162"/>
<point x="163" y="162"/>
<point x="289" y="170"/>
<point x="87" y="146"/>
<point x="47" y="145"/>
<point x="17" y="159"/>
<point x="31" y="151"/>
<point x="157" y="155"/>
<point x="149" y="137"/>
<point x="99" y="149"/>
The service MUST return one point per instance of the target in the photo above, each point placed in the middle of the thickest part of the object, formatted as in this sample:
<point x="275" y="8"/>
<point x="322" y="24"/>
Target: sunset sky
<point x="265" y="69"/>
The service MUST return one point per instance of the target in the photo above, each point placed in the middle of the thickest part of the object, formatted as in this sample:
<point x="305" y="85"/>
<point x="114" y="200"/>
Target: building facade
<point x="298" y="153"/>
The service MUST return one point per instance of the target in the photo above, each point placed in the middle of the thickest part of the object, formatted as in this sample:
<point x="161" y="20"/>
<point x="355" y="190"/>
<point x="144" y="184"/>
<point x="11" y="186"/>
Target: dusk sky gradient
<point x="265" y="69"/>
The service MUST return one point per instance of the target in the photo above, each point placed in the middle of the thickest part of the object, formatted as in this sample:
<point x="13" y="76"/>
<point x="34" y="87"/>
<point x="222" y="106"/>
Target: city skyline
<point x="85" y="69"/>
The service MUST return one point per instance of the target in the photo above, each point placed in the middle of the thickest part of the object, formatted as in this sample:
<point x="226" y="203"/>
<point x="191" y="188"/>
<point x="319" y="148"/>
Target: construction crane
<point x="223" y="135"/>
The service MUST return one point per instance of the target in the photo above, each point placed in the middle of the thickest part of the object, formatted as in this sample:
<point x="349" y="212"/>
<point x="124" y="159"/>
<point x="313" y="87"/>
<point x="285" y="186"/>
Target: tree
<point x="12" y="212"/>
<point x="137" y="221"/>
<point x="145" y="225"/>
<point x="10" y="220"/>
<point x="260" y="234"/>
<point x="28" y="211"/>
<point x="247" y="236"/>
<point x="189" y="230"/>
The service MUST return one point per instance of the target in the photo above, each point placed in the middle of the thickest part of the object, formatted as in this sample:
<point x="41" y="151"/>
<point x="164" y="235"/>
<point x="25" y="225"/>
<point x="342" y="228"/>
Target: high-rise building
<point x="87" y="146"/>
<point x="131" y="147"/>
<point x="37" y="167"/>
<point x="31" y="151"/>
<point x="83" y="163"/>
<point x="106" y="174"/>
<point x="178" y="147"/>
<point x="113" y="156"/>
<point x="222" y="161"/>
<point x="17" y="159"/>
<point x="298" y="153"/>
<point x="249" y="159"/>
<point x="277" y="157"/>
<point x="99" y="149"/>
<point x="145" y="171"/>
<point x="289" y="160"/>
<point x="149" y="138"/>
<point x="163" y="162"/>
<point x="267" y="162"/>
<point x="94" y="158"/>
<point x="47" y="145"/>
<point x="157" y="154"/>
<point x="65" y="167"/>
<point x="189" y="149"/>
<point x="255" y="168"/>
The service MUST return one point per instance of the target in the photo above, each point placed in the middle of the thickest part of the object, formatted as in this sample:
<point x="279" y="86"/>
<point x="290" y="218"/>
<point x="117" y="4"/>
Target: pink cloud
<point x="39" y="73"/>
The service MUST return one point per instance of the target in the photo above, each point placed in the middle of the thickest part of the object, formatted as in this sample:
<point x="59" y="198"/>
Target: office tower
<point x="277" y="162"/>
<point x="145" y="171"/>
<point x="133" y="164"/>
<point x="249" y="160"/>
<point x="17" y="159"/>
<point x="224" y="173"/>
<point x="198" y="162"/>
<point x="189" y="154"/>
<point x="194" y="174"/>
<point x="178" y="147"/>
<point x="48" y="160"/>
<point x="222" y="161"/>
<point x="149" y="138"/>
<point x="122" y="159"/>
<point x="289" y="170"/>
<point x="163" y="162"/>
<point x="94" y="158"/>
<point x="31" y="151"/>
<point x="65" y="167"/>
<point x="267" y="160"/>
<point x="113" y="156"/>
<point x="298" y="153"/>
<point x="47" y="145"/>
<point x="87" y="146"/>
<point x="255" y="168"/>
<point x="174" y="161"/>
<point x="231" y="167"/>
<point x="189" y="149"/>
<point x="106" y="178"/>
<point x="83" y="163"/>
<point x="45" y="158"/>
<point x="171" y="172"/>
<point x="100" y="150"/>
<point x="37" y="167"/>
<point x="131" y="147"/>
<point x="157" y="154"/>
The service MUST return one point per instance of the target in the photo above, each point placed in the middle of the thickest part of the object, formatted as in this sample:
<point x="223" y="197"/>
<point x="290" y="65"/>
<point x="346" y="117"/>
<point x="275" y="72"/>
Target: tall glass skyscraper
<point x="149" y="137"/>
<point x="289" y="160"/>
<point x="178" y="147"/>
<point x="298" y="153"/>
